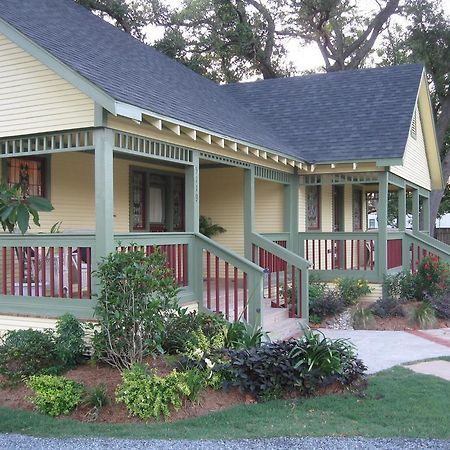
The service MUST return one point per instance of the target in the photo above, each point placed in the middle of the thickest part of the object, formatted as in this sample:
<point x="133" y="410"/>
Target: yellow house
<point x="132" y="147"/>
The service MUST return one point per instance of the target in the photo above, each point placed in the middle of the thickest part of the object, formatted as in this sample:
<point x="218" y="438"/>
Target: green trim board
<point x="55" y="64"/>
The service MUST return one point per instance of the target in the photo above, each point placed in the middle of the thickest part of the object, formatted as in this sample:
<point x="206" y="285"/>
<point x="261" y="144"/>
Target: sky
<point x="305" y="57"/>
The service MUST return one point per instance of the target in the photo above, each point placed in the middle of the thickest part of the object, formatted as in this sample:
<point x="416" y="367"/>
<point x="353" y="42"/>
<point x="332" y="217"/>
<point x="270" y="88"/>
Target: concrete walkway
<point x="382" y="350"/>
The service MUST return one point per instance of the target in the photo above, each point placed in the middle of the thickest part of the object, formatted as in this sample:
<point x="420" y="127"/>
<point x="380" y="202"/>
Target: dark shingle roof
<point x="359" y="114"/>
<point x="340" y="116"/>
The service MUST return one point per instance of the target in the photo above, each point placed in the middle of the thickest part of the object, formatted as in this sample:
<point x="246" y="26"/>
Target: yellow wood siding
<point x="302" y="209"/>
<point x="35" y="99"/>
<point x="415" y="164"/>
<point x="222" y="199"/>
<point x="326" y="209"/>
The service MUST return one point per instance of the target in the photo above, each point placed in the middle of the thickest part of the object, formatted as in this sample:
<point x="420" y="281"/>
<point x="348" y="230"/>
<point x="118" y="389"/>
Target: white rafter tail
<point x="355" y="165"/>
<point x="313" y="167"/>
<point x="244" y="149"/>
<point x="157" y="123"/>
<point x="263" y="155"/>
<point x="219" y="141"/>
<point x="291" y="162"/>
<point x="255" y="151"/>
<point x="283" y="160"/>
<point x="173" y="127"/>
<point x="136" y="121"/>
<point x="204" y="137"/>
<point x="191" y="133"/>
<point x="274" y="157"/>
<point x="232" y="145"/>
<point x="333" y="166"/>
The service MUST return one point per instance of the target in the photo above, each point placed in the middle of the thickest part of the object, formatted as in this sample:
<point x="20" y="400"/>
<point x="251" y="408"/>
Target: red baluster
<point x="293" y="294"/>
<point x="44" y="271"/>
<point x="217" y="285"/>
<point x="29" y="266"/>
<point x="245" y="297"/>
<point x="21" y="269"/>
<point x="89" y="272"/>
<point x="80" y="273"/>
<point x="227" y="291"/>
<point x="52" y="271"/>
<point x="236" y="296"/>
<point x="61" y="271"/>
<point x="185" y="265"/>
<point x="4" y="277"/>
<point x="36" y="270"/>
<point x="13" y="262"/>
<point x="70" y="274"/>
<point x="179" y="260"/>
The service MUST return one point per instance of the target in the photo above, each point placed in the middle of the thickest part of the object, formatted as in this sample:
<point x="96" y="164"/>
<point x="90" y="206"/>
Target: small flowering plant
<point x="432" y="277"/>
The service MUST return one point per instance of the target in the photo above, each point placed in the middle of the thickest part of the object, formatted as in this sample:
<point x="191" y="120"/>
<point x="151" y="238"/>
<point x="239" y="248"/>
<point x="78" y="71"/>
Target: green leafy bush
<point x="55" y="395"/>
<point x="179" y="329"/>
<point x="401" y="285"/>
<point x="148" y="395"/>
<point x="70" y="345"/>
<point x="27" y="352"/>
<point x="242" y="335"/>
<point x="138" y="294"/>
<point x="330" y="303"/>
<point x="388" y="307"/>
<point x="432" y="277"/>
<point x="316" y="288"/>
<point x="352" y="289"/>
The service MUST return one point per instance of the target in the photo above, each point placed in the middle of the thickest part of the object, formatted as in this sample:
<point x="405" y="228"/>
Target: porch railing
<point x="286" y="273"/>
<point x="50" y="274"/>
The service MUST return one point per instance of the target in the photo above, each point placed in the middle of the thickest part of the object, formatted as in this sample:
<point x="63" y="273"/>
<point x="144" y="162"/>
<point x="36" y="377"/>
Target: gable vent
<point x="413" y="130"/>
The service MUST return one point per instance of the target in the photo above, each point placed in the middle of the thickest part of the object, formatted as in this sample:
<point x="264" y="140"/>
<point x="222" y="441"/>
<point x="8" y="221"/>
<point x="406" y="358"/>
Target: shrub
<point x="388" y="307"/>
<point x="179" y="329"/>
<point x="70" y="345"/>
<point x="148" y="395"/>
<point x="138" y="292"/>
<point x="265" y="371"/>
<point x="27" y="352"/>
<point x="242" y="335"/>
<point x="351" y="289"/>
<point x="316" y="288"/>
<point x="55" y="395"/>
<point x="401" y="285"/>
<point x="362" y="318"/>
<point x="424" y="315"/>
<point x="440" y="303"/>
<point x="432" y="277"/>
<point x="329" y="304"/>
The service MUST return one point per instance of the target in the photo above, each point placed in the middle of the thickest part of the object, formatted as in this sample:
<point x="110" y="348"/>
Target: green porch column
<point x="402" y="209"/>
<point x="382" y="223"/>
<point x="104" y="192"/>
<point x="249" y="210"/>
<point x="192" y="217"/>
<point x="291" y="199"/>
<point x="192" y="194"/>
<point x="415" y="210"/>
<point x="426" y="214"/>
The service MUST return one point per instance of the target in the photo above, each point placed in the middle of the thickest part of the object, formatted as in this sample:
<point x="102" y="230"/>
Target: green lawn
<point x="397" y="403"/>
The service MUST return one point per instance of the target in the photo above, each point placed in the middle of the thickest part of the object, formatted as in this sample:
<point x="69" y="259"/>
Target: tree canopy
<point x="232" y="40"/>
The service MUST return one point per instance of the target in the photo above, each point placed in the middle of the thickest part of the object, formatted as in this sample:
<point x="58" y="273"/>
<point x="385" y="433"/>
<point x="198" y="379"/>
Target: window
<point x="138" y="200"/>
<point x="29" y="173"/>
<point x="357" y="209"/>
<point x="313" y="207"/>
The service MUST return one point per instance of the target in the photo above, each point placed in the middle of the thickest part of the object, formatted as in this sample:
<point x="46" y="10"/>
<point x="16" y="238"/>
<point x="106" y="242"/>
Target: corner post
<point x="382" y="223"/>
<point x="104" y="193"/>
<point x="249" y="209"/>
<point x="402" y="209"/>
<point x="192" y="218"/>
<point x="426" y="215"/>
<point x="291" y="199"/>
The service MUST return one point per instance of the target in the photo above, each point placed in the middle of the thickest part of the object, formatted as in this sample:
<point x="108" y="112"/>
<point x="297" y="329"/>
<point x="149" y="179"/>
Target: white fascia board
<point x="52" y="62"/>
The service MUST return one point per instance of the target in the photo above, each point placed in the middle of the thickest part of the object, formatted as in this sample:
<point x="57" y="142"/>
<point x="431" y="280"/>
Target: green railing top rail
<point x="440" y="248"/>
<point x="339" y="235"/>
<point x="47" y="240"/>
<point x="126" y="239"/>
<point x="228" y="255"/>
<point x="281" y="252"/>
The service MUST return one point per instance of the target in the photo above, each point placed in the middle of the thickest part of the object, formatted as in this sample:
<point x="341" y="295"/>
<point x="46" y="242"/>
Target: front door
<point x="157" y="201"/>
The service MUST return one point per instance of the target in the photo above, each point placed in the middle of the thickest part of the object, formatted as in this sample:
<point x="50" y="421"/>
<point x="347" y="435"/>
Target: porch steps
<point x="277" y="323"/>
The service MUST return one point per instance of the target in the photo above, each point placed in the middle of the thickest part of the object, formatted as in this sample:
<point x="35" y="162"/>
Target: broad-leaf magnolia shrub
<point x="55" y="395"/>
<point x="137" y="297"/>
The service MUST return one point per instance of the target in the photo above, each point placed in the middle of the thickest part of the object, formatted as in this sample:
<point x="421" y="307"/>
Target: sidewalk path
<point x="381" y="350"/>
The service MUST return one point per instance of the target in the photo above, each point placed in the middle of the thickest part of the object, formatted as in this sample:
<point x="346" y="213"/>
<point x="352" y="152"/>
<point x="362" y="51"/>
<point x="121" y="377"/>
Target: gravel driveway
<point x="19" y="442"/>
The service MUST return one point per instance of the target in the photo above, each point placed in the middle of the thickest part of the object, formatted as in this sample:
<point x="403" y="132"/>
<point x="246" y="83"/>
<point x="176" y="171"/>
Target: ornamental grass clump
<point x="138" y="295"/>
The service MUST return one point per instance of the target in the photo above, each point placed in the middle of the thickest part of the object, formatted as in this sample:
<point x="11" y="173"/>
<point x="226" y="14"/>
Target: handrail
<point x="154" y="238"/>
<point x="281" y="252"/>
<point x="47" y="239"/>
<point x="339" y="235"/>
<point x="227" y="254"/>
<point x="437" y="246"/>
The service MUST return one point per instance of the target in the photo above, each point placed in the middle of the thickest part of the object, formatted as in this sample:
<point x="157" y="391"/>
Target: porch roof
<point x="359" y="115"/>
